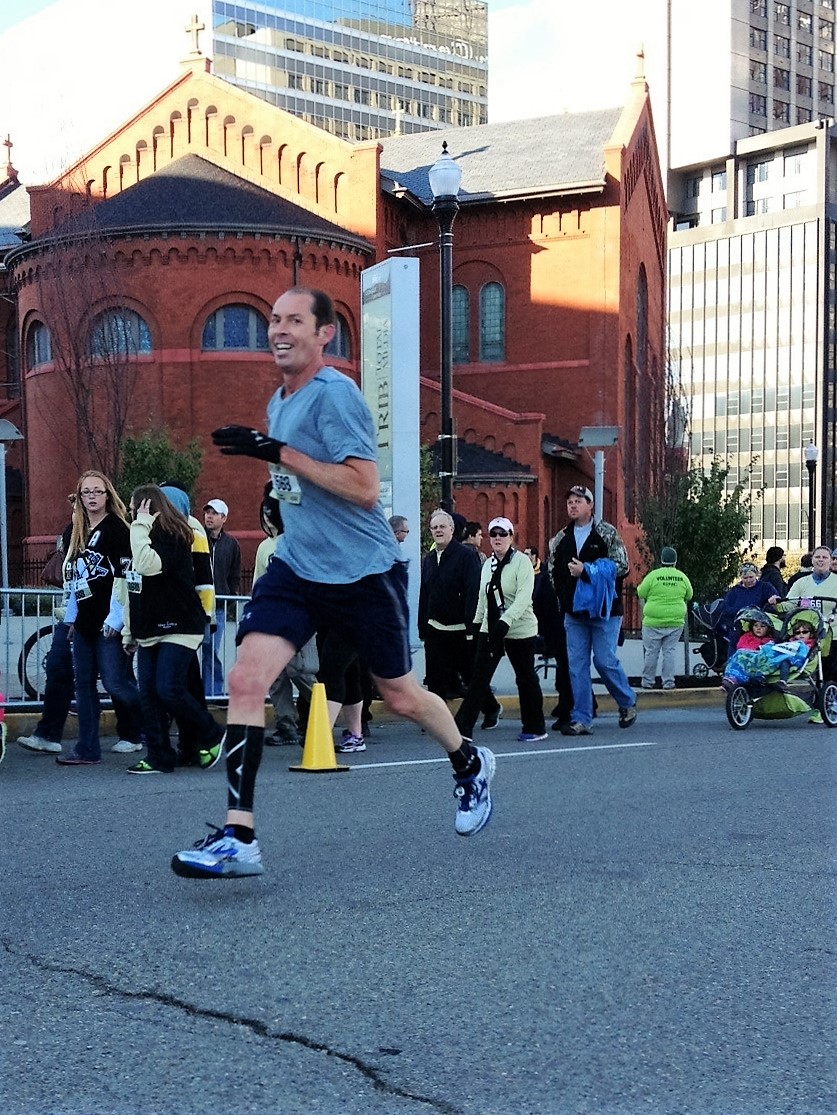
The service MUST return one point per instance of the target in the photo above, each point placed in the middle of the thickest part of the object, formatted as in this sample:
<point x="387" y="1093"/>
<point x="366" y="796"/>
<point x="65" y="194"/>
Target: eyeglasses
<point x="402" y="531"/>
<point x="86" y="492"/>
<point x="498" y="533"/>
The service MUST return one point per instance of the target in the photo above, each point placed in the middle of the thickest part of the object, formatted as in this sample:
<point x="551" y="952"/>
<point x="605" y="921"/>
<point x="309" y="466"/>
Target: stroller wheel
<point x="739" y="708"/>
<point x="700" y="671"/>
<point x="827" y="703"/>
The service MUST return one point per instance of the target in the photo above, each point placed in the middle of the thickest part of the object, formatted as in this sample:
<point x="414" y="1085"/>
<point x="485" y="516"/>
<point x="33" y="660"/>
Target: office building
<point x="360" y="69"/>
<point x="752" y="266"/>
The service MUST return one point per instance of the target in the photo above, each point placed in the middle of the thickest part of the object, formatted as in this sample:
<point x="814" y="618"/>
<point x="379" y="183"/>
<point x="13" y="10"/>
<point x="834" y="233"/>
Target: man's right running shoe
<point x="209" y="756"/>
<point x="350" y="743"/>
<point x="473" y="796"/>
<point x="218" y="856"/>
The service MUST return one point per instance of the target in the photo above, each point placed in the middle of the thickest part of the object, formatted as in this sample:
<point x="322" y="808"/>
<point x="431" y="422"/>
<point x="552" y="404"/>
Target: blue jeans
<point x="599" y="637"/>
<point x="100" y="656"/>
<point x="59" y="686"/>
<point x="212" y="669"/>
<point x="162" y="672"/>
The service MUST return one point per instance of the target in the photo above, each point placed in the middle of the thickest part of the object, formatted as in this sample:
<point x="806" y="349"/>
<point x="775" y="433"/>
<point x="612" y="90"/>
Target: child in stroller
<point x="783" y="679"/>
<point x="755" y="629"/>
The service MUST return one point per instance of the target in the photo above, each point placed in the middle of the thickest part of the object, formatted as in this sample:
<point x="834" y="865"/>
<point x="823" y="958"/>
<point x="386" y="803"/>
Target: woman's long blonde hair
<point x="81" y="523"/>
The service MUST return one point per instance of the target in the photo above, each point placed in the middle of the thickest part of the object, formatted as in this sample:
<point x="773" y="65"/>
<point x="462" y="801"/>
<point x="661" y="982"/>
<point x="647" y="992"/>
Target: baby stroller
<point x="713" y="650"/>
<point x="769" y="696"/>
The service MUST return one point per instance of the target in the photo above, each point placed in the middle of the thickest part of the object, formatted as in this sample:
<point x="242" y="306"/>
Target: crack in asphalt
<point x="261" y="1029"/>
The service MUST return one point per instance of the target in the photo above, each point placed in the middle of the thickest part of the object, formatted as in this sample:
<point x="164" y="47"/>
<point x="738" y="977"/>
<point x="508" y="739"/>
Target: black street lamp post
<point x="811" y="455"/>
<point x="445" y="180"/>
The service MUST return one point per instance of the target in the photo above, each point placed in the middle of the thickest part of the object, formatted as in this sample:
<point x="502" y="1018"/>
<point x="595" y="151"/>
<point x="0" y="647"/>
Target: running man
<point x="337" y="565"/>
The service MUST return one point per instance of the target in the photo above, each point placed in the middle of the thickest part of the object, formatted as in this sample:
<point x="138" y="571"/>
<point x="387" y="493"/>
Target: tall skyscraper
<point x="361" y="69"/>
<point x="753" y="249"/>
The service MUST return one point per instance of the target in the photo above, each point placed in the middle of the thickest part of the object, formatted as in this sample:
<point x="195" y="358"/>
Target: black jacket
<point x="595" y="546"/>
<point x="771" y="574"/>
<point x="168" y="603"/>
<point x="226" y="563"/>
<point x="450" y="587"/>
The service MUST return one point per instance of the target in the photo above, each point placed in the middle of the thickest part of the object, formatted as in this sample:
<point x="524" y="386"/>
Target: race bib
<point x="133" y="580"/>
<point x="285" y="485"/>
<point x="83" y="591"/>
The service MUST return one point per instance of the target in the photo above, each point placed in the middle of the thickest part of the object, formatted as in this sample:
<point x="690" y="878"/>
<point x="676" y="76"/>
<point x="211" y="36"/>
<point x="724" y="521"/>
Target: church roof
<point x="477" y="464"/>
<point x="14" y="214"/>
<point x="552" y="154"/>
<point x="193" y="194"/>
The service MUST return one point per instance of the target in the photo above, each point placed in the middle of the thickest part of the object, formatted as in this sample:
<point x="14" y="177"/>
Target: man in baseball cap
<point x="225" y="553"/>
<point x="588" y="560"/>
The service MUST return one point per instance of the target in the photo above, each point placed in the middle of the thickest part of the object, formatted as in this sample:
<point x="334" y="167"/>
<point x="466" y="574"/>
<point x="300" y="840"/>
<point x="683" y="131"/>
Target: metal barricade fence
<point x="27" y="619"/>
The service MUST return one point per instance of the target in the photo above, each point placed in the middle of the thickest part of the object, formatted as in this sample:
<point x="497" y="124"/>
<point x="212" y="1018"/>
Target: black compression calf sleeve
<point x="243" y="745"/>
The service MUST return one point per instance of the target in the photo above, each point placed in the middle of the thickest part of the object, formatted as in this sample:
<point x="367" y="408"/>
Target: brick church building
<point x="136" y="294"/>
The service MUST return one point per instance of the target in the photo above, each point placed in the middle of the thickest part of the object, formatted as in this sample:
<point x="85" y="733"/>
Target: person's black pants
<point x="521" y="655"/>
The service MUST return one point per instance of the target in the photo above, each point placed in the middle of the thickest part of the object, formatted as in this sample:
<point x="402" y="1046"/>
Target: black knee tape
<point x="243" y="746"/>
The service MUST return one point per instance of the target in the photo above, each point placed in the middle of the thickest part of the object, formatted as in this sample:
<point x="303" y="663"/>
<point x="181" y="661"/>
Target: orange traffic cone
<point x="318" y="753"/>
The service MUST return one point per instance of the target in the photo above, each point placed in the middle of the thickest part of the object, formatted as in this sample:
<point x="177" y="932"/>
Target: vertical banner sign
<point x="389" y="294"/>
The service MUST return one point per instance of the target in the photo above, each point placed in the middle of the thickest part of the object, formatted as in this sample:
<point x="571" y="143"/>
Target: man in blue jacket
<point x="582" y="552"/>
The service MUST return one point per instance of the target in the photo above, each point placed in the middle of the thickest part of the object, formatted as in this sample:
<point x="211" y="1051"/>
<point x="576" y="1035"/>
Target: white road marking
<point x="516" y="754"/>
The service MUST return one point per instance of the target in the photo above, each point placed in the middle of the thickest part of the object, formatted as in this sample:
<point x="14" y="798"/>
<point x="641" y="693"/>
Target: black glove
<point x="497" y="635"/>
<point x="241" y="441"/>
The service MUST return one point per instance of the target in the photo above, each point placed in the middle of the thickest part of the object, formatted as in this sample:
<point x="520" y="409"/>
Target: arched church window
<point x="340" y="344"/>
<point x="235" y="328"/>
<point x="493" y="323"/>
<point x="38" y="345"/>
<point x="461" y="325"/>
<point x="119" y="332"/>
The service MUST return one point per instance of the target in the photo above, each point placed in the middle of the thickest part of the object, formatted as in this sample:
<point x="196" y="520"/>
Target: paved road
<point x="646" y="926"/>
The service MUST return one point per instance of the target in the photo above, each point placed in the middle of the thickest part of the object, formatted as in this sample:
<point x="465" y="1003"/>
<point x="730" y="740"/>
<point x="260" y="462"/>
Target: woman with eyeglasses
<point x="507" y="625"/>
<point x="98" y="555"/>
<point x="165" y="622"/>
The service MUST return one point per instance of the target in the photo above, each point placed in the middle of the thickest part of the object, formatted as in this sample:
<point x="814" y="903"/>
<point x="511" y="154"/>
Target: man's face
<point x="295" y="341"/>
<point x="402" y="532"/>
<point x="442" y="532"/>
<point x="579" y="510"/>
<point x="213" y="521"/>
<point x="821" y="561"/>
<point x="475" y="539"/>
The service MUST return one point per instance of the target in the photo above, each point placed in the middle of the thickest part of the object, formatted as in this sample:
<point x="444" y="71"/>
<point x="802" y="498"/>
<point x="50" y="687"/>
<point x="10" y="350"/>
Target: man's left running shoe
<point x="473" y="796"/>
<point x="219" y="856"/>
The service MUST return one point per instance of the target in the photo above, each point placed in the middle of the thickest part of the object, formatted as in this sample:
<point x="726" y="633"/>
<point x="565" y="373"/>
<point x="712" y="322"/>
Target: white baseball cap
<point x="218" y="506"/>
<point x="503" y="524"/>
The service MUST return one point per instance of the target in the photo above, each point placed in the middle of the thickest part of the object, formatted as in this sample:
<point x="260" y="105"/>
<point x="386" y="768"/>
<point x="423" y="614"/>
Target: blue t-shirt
<point x="328" y="539"/>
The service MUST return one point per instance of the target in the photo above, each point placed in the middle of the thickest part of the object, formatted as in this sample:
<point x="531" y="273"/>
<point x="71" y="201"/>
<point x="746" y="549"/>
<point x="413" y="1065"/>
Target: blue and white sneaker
<point x="531" y="737"/>
<point x="473" y="796"/>
<point x="218" y="856"/>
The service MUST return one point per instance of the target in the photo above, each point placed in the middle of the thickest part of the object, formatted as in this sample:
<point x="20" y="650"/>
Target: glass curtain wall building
<point x="360" y="69"/>
<point x="752" y="269"/>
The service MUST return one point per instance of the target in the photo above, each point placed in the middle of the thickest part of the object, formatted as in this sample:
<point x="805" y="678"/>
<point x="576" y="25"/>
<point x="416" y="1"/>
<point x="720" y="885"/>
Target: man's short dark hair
<point x="322" y="306"/>
<point x="472" y="529"/>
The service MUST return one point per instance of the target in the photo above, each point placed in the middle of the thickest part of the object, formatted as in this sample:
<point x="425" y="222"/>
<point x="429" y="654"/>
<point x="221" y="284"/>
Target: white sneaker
<point x="35" y="743"/>
<point x="125" y="747"/>
<point x="473" y="796"/>
<point x="218" y="856"/>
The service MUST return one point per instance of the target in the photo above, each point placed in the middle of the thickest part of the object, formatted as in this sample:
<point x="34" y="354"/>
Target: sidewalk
<point x="689" y="692"/>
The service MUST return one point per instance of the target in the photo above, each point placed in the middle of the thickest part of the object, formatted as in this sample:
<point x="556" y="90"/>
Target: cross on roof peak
<point x="193" y="30"/>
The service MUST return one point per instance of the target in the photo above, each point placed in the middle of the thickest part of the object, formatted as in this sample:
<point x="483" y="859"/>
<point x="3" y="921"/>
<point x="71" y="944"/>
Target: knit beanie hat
<point x="668" y="555"/>
<point x="775" y="553"/>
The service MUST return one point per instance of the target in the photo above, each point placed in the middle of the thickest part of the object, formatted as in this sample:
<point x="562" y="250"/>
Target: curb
<point x="24" y="723"/>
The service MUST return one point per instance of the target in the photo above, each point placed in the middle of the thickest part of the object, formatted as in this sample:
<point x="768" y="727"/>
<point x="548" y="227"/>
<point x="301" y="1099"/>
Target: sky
<point x="539" y="65"/>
